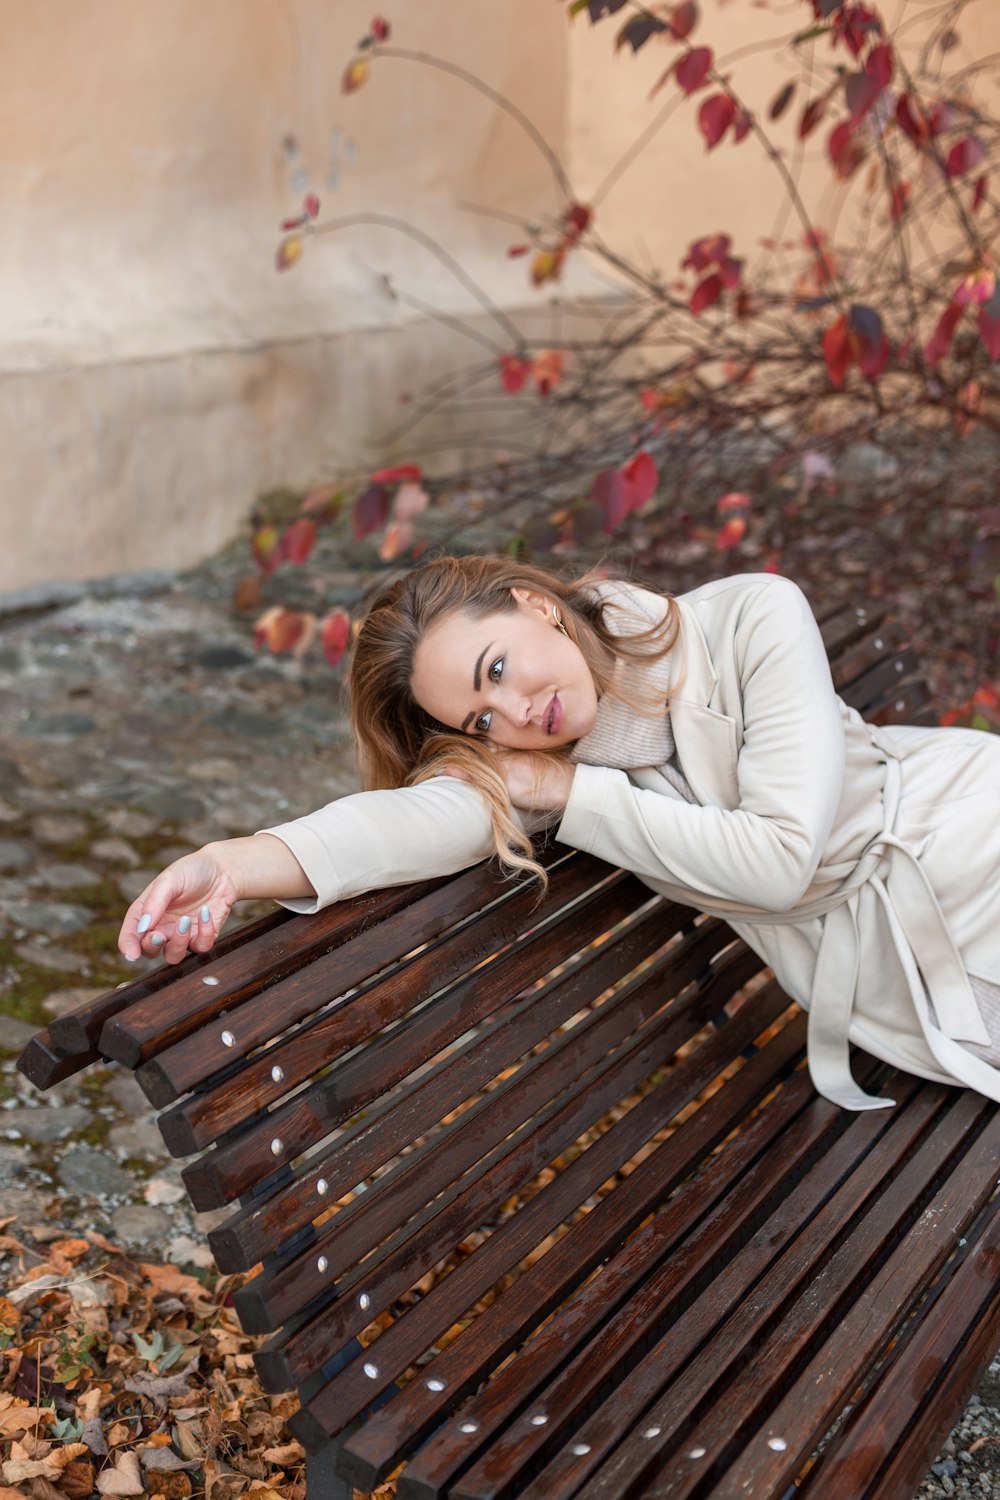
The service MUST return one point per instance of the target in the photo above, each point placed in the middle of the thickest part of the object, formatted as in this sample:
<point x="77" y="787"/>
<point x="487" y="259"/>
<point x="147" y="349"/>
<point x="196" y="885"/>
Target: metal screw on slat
<point x="276" y="1146"/>
<point x="364" y="1302"/>
<point x="371" y="1371"/>
<point x="322" y="1264"/>
<point x="652" y="1432"/>
<point x="899" y="666"/>
<point x="778" y="1444"/>
<point x="878" y="644"/>
<point x="277" y="1074"/>
<point x="322" y="1187"/>
<point x="468" y="1426"/>
<point x="861" y="614"/>
<point x="697" y="1453"/>
<point x="227" y="1039"/>
<point x="209" y="979"/>
<point x="539" y="1419"/>
<point x="580" y="1450"/>
<point x="434" y="1384"/>
<point x="900" y="705"/>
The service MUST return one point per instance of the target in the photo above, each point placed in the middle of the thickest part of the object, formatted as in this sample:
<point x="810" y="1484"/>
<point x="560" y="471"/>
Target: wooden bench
<point x="545" y="1201"/>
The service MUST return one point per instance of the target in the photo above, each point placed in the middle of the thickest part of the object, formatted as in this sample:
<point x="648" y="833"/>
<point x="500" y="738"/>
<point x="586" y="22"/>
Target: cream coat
<point x="861" y="863"/>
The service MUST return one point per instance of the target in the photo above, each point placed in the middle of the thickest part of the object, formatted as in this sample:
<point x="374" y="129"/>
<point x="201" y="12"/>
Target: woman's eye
<point x="496" y="670"/>
<point x="483" y="723"/>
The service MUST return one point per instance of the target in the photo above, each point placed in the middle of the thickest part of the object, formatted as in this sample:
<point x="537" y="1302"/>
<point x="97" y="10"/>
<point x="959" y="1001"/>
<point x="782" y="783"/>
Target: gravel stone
<point x="66" y="877"/>
<point x="138" y="1138"/>
<point x="50" y="1123"/>
<point x="61" y="1002"/>
<point x="129" y="823"/>
<point x="58" y="828"/>
<point x="93" y="1174"/>
<point x="48" y="956"/>
<point x="57" y="918"/>
<point x="114" y="851"/>
<point x="15" y="1034"/>
<point x="25" y="1204"/>
<point x="14" y="856"/>
<point x="138" y="1224"/>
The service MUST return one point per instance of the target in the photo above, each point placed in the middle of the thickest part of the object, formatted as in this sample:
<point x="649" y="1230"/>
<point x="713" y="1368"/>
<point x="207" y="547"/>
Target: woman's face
<point x="511" y="678"/>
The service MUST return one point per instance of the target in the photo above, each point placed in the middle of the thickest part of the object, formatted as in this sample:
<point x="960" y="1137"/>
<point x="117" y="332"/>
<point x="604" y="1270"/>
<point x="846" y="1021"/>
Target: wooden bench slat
<point x="514" y="1238"/>
<point x="803" y="1292"/>
<point x="44" y="1065"/>
<point x="824" y="1386"/>
<point x="79" y="1030"/>
<point x="376" y="1449"/>
<point x="881" y="680"/>
<point x="670" y="1314"/>
<point x="445" y="1156"/>
<point x="412" y="1335"/>
<point x="229" y="1170"/>
<point x="847" y="625"/>
<point x="354" y="936"/>
<point x="857" y="659"/>
<point x="909" y="703"/>
<point x="881" y="1450"/>
<point x="333" y="1032"/>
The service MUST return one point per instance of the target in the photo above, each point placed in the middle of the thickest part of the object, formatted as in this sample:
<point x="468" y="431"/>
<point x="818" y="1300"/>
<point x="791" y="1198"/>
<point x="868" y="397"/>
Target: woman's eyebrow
<point x="477" y="682"/>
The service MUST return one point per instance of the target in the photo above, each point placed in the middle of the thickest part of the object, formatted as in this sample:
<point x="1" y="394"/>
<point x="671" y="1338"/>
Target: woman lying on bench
<point x="696" y="741"/>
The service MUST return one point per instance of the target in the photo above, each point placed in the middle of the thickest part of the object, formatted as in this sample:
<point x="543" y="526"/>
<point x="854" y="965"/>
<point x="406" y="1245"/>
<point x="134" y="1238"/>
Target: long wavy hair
<point x="398" y="744"/>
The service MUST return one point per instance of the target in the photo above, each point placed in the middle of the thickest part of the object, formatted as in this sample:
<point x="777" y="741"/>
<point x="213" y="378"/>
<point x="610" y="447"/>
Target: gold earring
<point x="557" y="621"/>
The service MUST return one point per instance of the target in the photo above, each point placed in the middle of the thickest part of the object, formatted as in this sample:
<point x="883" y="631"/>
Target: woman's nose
<point x="519" y="710"/>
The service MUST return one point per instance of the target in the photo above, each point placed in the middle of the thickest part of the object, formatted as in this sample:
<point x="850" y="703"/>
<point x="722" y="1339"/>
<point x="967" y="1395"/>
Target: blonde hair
<point x="398" y="744"/>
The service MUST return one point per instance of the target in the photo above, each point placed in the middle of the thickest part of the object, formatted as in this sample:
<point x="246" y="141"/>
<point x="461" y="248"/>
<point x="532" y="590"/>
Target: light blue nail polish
<point x="206" y="915"/>
<point x="130" y="958"/>
<point x="157" y="940"/>
<point x="145" y="923"/>
<point x="184" y="925"/>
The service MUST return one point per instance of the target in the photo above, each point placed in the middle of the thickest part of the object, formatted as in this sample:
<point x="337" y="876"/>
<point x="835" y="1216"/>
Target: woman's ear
<point x="531" y="599"/>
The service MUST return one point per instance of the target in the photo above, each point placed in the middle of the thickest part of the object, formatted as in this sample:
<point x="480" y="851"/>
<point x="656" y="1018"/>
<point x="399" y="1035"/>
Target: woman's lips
<point x="554" y="716"/>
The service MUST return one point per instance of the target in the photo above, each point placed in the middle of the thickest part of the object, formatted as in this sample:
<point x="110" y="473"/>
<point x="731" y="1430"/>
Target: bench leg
<point x="322" y="1480"/>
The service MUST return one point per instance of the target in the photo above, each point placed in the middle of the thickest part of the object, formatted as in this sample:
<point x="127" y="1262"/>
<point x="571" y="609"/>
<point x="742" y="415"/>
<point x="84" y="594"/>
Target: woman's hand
<point x="538" y="781"/>
<point x="184" y="908"/>
<point x="181" y="910"/>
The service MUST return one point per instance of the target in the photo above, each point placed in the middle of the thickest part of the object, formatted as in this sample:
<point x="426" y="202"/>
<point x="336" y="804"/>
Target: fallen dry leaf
<point x="124" y="1479"/>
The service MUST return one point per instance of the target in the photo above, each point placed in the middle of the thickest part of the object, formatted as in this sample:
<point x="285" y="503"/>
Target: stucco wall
<point x="156" y="373"/>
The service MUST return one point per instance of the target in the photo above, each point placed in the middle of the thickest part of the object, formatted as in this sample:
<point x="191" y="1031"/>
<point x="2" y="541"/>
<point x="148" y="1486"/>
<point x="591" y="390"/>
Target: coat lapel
<point x="706" y="740"/>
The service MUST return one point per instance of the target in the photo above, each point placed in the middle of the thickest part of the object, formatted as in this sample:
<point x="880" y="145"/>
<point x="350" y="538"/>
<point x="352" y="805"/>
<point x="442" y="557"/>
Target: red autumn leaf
<point x="285" y="630"/>
<point x="706" y="293"/>
<point x="398" y="474"/>
<point x="334" y="634"/>
<point x="693" y="68"/>
<point x="861" y="90"/>
<point x="964" y="156"/>
<point x="939" y="343"/>
<point x="868" y="340"/>
<point x="940" y="117"/>
<point x="731" y="270"/>
<point x="743" y="126"/>
<point x="988" y="323"/>
<point x="289" y="251"/>
<point x="781" y="101"/>
<point x="577" y="218"/>
<point x="736" y="500"/>
<point x="514" y="371"/>
<point x="515" y="250"/>
<point x="837" y="351"/>
<point x="611" y="492"/>
<point x="706" y="252"/>
<point x="546" y="266"/>
<point x="296" y="223"/>
<point x="881" y="64"/>
<point x="312" y="206"/>
<point x="641" y="473"/>
<point x="299" y="540"/>
<point x="910" y="118"/>
<point x="812" y="114"/>
<point x="856" y="23"/>
<point x="380" y="29"/>
<point x="547" y="370"/>
<point x="979" y="195"/>
<point x="371" y="510"/>
<point x="355" y="74"/>
<point x="266" y="548"/>
<point x="844" y="149"/>
<point x="682" y="20"/>
<point x="731" y="533"/>
<point x="715" y="117"/>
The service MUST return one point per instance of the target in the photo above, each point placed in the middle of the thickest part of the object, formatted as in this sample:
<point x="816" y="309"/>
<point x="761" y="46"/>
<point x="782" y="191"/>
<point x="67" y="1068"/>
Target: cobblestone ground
<point x="135" y="724"/>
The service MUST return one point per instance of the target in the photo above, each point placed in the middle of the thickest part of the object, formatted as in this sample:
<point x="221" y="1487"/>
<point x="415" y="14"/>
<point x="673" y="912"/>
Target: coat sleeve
<point x="765" y="852"/>
<point x="372" y="839"/>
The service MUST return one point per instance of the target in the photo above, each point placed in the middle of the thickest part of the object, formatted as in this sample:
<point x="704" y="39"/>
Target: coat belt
<point x="927" y="953"/>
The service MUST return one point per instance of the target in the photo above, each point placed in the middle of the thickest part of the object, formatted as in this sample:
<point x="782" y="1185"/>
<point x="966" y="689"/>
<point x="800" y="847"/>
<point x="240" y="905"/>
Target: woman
<point x="697" y="742"/>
